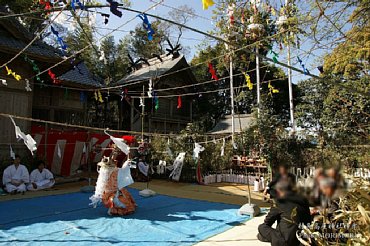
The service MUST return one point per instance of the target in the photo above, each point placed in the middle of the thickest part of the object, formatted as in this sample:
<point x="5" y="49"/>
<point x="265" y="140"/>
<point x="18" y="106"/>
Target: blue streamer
<point x="59" y="39"/>
<point x="147" y="26"/>
<point x="73" y="4"/>
<point x="305" y="70"/>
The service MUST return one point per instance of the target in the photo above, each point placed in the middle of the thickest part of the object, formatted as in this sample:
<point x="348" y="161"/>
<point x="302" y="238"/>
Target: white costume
<point x="43" y="180"/>
<point x="13" y="176"/>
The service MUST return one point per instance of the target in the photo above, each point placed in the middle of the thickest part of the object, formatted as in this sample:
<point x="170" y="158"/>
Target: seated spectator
<point x="282" y="174"/>
<point x="41" y="178"/>
<point x="15" y="177"/>
<point x="290" y="211"/>
<point x="329" y="196"/>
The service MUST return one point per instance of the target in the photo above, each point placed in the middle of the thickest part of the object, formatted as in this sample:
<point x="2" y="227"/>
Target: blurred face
<point x="17" y="161"/>
<point x="327" y="191"/>
<point x="283" y="170"/>
<point x="41" y="166"/>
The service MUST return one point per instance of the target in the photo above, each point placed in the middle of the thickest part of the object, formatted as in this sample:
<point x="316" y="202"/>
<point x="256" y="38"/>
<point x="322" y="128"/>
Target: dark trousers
<point x="271" y="235"/>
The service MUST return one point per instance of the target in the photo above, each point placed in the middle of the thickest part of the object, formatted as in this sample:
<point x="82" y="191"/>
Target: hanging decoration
<point x="27" y="139"/>
<point x="272" y="90"/>
<point x="150" y="90"/>
<point x="12" y="154"/>
<point x="114" y="8"/>
<point x="14" y="74"/>
<point x="274" y="56"/>
<point x="142" y="102"/>
<point x="3" y="81"/>
<point x="147" y="26"/>
<point x="305" y="70"/>
<point x="28" y="86"/>
<point x="197" y="149"/>
<point x="46" y="3"/>
<point x="73" y="4"/>
<point x="212" y="71"/>
<point x="223" y="147"/>
<point x="59" y="39"/>
<point x="106" y="18"/>
<point x="98" y="96"/>
<point x="156" y="100"/>
<point x="35" y="68"/>
<point x="207" y="4"/>
<point x="53" y="77"/>
<point x="179" y="102"/>
<point x="248" y="80"/>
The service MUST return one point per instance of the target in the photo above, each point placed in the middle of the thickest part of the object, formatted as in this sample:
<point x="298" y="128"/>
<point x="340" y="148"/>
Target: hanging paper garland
<point x="3" y="81"/>
<point x="207" y="4"/>
<point x="142" y="102"/>
<point x="28" y="86"/>
<point x="53" y="77"/>
<point x="272" y="90"/>
<point x="150" y="86"/>
<point x="114" y="8"/>
<point x="147" y="26"/>
<point x="248" y="80"/>
<point x="35" y="68"/>
<point x="59" y="39"/>
<point x="73" y="4"/>
<point x="274" y="56"/>
<point x="46" y="3"/>
<point x="156" y="100"/>
<point x="212" y="71"/>
<point x="179" y="102"/>
<point x="106" y="18"/>
<point x="14" y="74"/>
<point x="100" y="97"/>
<point x="305" y="70"/>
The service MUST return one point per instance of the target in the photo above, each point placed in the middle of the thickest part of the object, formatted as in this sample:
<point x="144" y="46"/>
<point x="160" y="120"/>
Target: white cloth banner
<point x="177" y="167"/>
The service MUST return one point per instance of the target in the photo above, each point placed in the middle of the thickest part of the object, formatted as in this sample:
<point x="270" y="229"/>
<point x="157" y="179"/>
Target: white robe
<point x="14" y="175"/>
<point x="42" y="180"/>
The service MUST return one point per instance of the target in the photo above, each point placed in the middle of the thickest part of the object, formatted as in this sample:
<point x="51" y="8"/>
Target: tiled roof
<point x="224" y="126"/>
<point x="81" y="75"/>
<point x="38" y="48"/>
<point x="155" y="69"/>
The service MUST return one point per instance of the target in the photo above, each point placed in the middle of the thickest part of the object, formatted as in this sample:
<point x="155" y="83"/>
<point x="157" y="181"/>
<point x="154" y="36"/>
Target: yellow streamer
<point x="207" y="3"/>
<point x="10" y="72"/>
<point x="96" y="96"/>
<point x="248" y="80"/>
<point x="272" y="89"/>
<point x="100" y="97"/>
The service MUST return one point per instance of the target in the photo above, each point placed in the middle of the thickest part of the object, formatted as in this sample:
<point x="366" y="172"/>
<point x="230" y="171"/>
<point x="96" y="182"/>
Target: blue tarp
<point x="67" y="219"/>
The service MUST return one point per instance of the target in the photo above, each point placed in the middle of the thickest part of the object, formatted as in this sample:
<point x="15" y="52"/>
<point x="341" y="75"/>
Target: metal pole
<point x="142" y="115"/>
<point x="258" y="82"/>
<point x="291" y="105"/>
<point x="232" y="97"/>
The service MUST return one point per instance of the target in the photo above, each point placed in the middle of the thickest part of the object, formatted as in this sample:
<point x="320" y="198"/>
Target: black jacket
<point x="289" y="213"/>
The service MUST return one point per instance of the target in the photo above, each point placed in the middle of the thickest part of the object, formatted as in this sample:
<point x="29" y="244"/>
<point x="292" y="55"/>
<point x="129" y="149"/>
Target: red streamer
<point x="212" y="71"/>
<point x="53" y="77"/>
<point x="179" y="102"/>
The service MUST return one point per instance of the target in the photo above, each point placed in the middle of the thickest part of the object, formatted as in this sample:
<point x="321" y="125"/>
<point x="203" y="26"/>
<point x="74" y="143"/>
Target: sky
<point x="191" y="39"/>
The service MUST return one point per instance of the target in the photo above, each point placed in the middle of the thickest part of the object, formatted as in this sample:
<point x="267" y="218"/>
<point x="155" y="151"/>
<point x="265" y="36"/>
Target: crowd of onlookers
<point x="17" y="179"/>
<point x="291" y="209"/>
